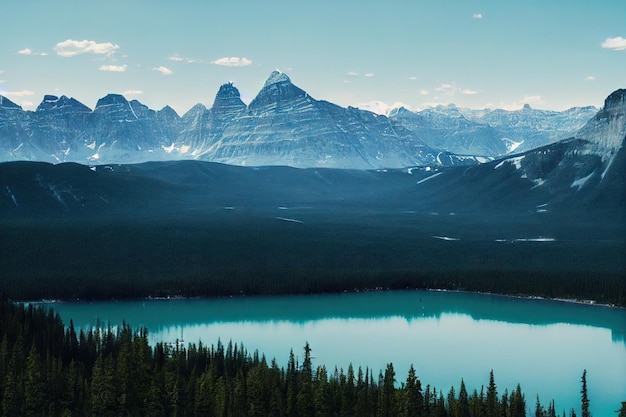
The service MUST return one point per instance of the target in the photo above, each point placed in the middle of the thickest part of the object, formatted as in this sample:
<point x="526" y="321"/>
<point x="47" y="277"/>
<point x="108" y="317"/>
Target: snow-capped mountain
<point x="283" y="125"/>
<point x="447" y="128"/>
<point x="492" y="132"/>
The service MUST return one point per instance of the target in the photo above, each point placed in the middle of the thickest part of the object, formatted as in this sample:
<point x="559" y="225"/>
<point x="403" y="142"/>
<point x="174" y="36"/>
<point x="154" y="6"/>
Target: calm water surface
<point x="543" y="345"/>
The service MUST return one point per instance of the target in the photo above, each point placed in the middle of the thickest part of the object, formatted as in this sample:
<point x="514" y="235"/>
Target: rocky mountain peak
<point x="168" y="112"/>
<point x="615" y="100"/>
<point x="277" y="77"/>
<point x="278" y="93"/>
<point x="52" y="102"/>
<point x="607" y="129"/>
<point x="228" y="99"/>
<point x="111" y="99"/>
<point x="116" y="107"/>
<point x="5" y="103"/>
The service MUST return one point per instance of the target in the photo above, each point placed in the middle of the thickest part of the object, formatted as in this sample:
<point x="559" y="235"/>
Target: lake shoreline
<point x="575" y="301"/>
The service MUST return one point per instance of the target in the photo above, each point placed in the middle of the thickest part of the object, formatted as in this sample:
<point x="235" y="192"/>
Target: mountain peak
<point x="277" y="77"/>
<point x="526" y="107"/>
<point x="111" y="99"/>
<point x="5" y="103"/>
<point x="615" y="99"/>
<point x="52" y="102"/>
<point x="228" y="100"/>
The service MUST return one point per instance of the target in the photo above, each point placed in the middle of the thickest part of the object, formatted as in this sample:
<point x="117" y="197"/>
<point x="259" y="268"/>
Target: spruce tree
<point x="584" y="398"/>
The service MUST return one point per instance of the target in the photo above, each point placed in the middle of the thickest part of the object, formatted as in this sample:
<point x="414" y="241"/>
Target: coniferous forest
<point x="48" y="369"/>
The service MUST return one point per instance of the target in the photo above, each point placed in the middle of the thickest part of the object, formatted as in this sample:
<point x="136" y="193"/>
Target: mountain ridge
<point x="282" y="125"/>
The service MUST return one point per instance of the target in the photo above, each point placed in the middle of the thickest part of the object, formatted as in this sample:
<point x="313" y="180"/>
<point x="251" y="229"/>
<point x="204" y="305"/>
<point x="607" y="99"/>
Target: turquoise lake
<point x="543" y="345"/>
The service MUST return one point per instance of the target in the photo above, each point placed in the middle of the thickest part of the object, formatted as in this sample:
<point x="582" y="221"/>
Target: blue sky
<point x="549" y="54"/>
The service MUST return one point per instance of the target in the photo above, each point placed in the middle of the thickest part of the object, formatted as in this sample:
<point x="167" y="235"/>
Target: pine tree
<point x="584" y="399"/>
<point x="305" y="389"/>
<point x="492" y="397"/>
<point x="34" y="384"/>
<point x="386" y="397"/>
<point x="414" y="401"/>
<point x="463" y="409"/>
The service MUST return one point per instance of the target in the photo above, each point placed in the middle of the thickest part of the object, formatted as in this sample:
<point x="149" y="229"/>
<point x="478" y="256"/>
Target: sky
<point x="360" y="53"/>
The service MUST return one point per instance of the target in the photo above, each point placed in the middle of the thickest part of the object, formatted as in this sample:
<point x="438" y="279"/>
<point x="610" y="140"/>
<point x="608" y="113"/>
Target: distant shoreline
<point x="586" y="302"/>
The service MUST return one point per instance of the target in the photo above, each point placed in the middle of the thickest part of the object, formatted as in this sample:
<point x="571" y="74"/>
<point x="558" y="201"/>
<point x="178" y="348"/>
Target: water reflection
<point x="542" y="345"/>
<point x="155" y="314"/>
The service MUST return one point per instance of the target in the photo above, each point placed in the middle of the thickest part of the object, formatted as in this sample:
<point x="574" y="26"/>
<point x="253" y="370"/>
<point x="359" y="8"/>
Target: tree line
<point x="48" y="369"/>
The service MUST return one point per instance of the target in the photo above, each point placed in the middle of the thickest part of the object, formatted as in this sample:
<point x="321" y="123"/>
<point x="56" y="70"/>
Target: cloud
<point x="448" y="89"/>
<point x="412" y="78"/>
<point x="352" y="74"/>
<point x="232" y="61"/>
<point x="22" y="93"/>
<point x="71" y="48"/>
<point x="178" y="58"/>
<point x="3" y="81"/>
<point x="469" y="92"/>
<point x="380" y="107"/>
<point x="132" y="93"/>
<point x="369" y="74"/>
<point x="113" y="68"/>
<point x="163" y="70"/>
<point x="28" y="51"/>
<point x="424" y="92"/>
<point x="590" y="78"/>
<point x="477" y="16"/>
<point x="617" y="44"/>
<point x="516" y="105"/>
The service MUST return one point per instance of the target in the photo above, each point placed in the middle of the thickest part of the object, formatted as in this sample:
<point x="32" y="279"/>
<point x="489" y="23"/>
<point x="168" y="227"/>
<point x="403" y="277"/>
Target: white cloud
<point x="590" y="78"/>
<point x="424" y="92"/>
<point x="448" y="89"/>
<point x="451" y="89"/>
<point x="232" y="61"/>
<point x="432" y="104"/>
<point x="71" y="48"/>
<point x="532" y="101"/>
<point x="380" y="107"/>
<point x="22" y="93"/>
<point x="27" y="104"/>
<point x="163" y="70"/>
<point x="352" y="74"/>
<point x="412" y="78"/>
<point x="28" y="51"/>
<point x="477" y="16"/>
<point x="617" y="44"/>
<point x="132" y="93"/>
<point x="113" y="68"/>
<point x="3" y="81"/>
<point x="369" y="74"/>
<point x="178" y="58"/>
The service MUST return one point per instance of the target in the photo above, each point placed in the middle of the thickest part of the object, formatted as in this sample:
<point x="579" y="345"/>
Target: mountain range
<point x="551" y="217"/>
<point x="282" y="125"/>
